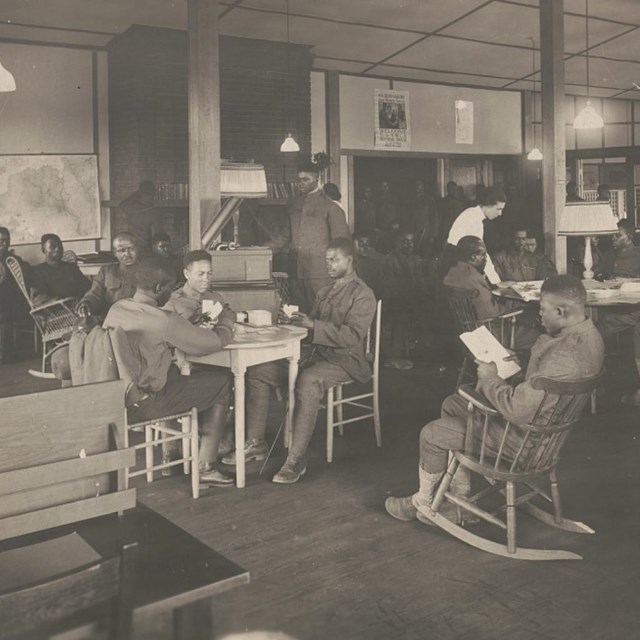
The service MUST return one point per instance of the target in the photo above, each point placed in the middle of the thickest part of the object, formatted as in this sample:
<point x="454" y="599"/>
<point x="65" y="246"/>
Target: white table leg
<point x="293" y="374"/>
<point x="240" y="436"/>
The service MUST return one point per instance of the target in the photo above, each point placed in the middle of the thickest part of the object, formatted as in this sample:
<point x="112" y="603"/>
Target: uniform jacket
<point x="342" y="314"/>
<point x="315" y="219"/>
<point x="575" y="352"/>
<point x="188" y="303"/>
<point x="110" y="285"/>
<point x="464" y="276"/>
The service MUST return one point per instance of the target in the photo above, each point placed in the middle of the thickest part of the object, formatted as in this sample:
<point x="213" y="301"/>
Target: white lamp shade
<point x="587" y="219"/>
<point x="289" y="145"/>
<point x="245" y="180"/>
<point x="588" y="118"/>
<point x="534" y="154"/>
<point x="7" y="81"/>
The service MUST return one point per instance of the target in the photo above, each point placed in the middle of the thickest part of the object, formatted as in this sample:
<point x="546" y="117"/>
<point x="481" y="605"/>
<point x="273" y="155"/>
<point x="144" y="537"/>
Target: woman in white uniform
<point x="471" y="223"/>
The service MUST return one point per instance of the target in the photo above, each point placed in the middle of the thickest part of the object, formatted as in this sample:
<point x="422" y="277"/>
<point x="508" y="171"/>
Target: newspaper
<point x="485" y="347"/>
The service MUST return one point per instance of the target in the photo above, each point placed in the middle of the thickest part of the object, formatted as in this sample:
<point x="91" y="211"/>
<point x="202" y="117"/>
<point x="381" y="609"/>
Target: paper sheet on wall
<point x="392" y="123"/>
<point x="464" y="122"/>
<point x="485" y="347"/>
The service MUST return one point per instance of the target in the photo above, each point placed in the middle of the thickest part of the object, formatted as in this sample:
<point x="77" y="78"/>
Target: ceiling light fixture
<point x="7" y="81"/>
<point x="289" y="145"/>
<point x="535" y="153"/>
<point x="588" y="118"/>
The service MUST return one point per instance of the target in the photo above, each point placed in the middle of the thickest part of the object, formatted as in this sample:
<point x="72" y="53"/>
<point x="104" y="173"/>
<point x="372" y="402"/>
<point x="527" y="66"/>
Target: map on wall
<point x="49" y="194"/>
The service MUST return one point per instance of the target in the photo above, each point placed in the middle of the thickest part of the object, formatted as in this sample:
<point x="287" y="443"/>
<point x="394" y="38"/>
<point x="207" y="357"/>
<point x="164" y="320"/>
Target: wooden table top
<point x="173" y="568"/>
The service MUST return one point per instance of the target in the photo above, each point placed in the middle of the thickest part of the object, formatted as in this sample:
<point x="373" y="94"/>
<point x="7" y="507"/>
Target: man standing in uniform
<point x="314" y="220"/>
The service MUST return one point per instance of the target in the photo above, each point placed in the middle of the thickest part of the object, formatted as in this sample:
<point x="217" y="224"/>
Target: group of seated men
<point x="158" y="318"/>
<point x="406" y="283"/>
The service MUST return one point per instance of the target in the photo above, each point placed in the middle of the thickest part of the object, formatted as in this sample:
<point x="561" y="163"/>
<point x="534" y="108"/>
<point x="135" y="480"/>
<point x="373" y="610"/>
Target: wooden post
<point x="333" y="125"/>
<point x="553" y="128"/>
<point x="204" y="117"/>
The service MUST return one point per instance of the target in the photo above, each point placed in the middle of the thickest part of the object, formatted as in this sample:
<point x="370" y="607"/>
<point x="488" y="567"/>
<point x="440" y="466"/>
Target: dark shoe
<point x="291" y="471"/>
<point x="217" y="478"/>
<point x="253" y="450"/>
<point x="401" y="508"/>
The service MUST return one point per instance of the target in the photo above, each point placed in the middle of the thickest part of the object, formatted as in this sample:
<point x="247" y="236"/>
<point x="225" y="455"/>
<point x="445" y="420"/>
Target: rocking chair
<point x="535" y="460"/>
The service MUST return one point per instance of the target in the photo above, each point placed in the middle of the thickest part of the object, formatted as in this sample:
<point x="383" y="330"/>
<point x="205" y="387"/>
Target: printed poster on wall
<point x="392" y="124"/>
<point x="464" y="122"/>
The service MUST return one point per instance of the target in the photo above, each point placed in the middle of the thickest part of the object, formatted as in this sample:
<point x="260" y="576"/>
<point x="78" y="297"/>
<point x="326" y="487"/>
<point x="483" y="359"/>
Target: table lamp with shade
<point x="587" y="219"/>
<point x="238" y="180"/>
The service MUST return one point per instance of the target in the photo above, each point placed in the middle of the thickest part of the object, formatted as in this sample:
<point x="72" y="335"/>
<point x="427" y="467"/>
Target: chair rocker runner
<point x="54" y="319"/>
<point x="368" y="401"/>
<point x="535" y="459"/>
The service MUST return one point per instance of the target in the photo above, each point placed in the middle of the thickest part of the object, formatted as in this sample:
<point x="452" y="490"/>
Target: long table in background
<point x="600" y="295"/>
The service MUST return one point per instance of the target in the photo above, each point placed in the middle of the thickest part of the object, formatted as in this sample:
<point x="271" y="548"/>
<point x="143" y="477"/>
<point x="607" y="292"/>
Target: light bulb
<point x="588" y="118"/>
<point x="7" y="81"/>
<point x="534" y="154"/>
<point x="289" y="145"/>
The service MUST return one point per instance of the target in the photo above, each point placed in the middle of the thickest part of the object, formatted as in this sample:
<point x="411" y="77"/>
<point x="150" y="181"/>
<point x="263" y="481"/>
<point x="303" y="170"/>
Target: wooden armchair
<point x="35" y="610"/>
<point x="526" y="456"/>
<point x="54" y="319"/>
<point x="503" y="327"/>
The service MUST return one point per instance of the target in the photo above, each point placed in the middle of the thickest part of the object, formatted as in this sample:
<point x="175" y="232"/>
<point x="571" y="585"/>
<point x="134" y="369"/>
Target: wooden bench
<point x="62" y="457"/>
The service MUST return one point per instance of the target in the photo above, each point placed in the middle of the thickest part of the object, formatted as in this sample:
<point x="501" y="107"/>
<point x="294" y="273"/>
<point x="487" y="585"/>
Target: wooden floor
<point x="326" y="561"/>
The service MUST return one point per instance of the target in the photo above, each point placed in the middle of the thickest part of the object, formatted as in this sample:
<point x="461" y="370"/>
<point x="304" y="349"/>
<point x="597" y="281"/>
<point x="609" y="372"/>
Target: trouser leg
<point x="311" y="388"/>
<point x="260" y="380"/>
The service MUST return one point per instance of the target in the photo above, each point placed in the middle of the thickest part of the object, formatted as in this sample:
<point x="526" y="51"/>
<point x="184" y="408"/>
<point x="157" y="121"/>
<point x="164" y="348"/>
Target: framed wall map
<point x="49" y="194"/>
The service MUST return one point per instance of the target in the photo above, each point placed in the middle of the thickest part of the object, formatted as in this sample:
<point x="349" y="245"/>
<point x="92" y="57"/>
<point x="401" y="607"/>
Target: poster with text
<point x="464" y="122"/>
<point x="392" y="124"/>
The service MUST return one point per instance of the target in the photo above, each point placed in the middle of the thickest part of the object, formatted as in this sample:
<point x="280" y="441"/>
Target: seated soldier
<point x="572" y="348"/>
<point x="154" y="332"/>
<point x="468" y="273"/>
<point x="623" y="259"/>
<point x="515" y="263"/>
<point x="367" y="261"/>
<point x="338" y="325"/>
<point x="403" y="290"/>
<point x="11" y="302"/>
<point x="161" y="247"/>
<point x="187" y="300"/>
<point x="114" y="281"/>
<point x="55" y="278"/>
<point x="544" y="266"/>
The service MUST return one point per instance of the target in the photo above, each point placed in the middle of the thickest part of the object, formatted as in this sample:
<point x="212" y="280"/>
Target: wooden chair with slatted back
<point x="369" y="401"/>
<point x="54" y="319"/>
<point x="527" y="457"/>
<point x="37" y="610"/>
<point x="503" y="327"/>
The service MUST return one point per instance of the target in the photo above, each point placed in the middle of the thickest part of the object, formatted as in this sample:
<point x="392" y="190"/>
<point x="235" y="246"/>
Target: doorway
<point x="400" y="173"/>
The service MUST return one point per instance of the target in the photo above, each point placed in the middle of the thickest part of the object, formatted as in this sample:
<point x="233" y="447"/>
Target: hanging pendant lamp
<point x="7" y="81"/>
<point x="289" y="145"/>
<point x="535" y="153"/>
<point x="588" y="118"/>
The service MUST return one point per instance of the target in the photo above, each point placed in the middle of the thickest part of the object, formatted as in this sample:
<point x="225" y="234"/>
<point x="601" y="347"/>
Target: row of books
<point x="281" y="189"/>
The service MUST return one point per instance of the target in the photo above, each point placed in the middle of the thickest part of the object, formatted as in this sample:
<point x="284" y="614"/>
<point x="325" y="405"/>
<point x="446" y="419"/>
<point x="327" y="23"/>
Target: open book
<point x="485" y="347"/>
